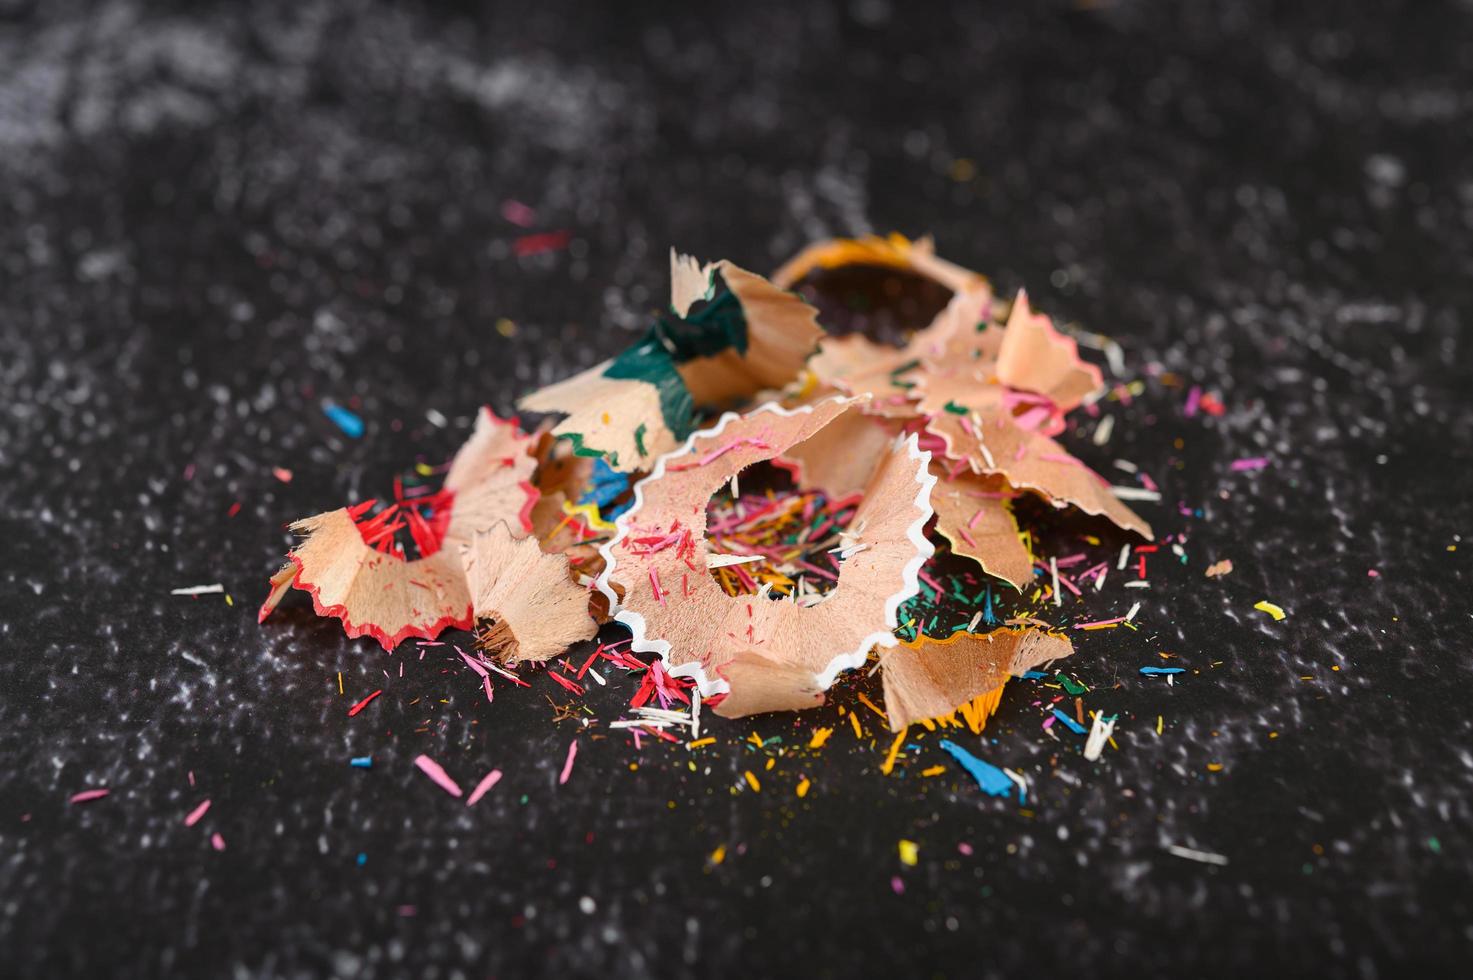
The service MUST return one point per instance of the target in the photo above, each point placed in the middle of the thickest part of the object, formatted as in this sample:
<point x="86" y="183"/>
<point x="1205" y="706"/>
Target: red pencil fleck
<point x="589" y="662"/>
<point x="659" y="734"/>
<point x="363" y="704"/>
<point x="548" y="241"/>
<point x="88" y="795"/>
<point x="564" y="682"/>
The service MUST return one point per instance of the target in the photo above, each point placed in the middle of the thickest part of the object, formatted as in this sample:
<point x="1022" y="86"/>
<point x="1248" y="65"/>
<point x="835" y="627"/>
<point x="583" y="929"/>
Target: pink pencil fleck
<point x="88" y="795"/>
<point x="1250" y="463"/>
<point x="518" y="213"/>
<point x="484" y="786"/>
<point x="217" y="842"/>
<point x="485" y="677"/>
<point x="197" y="813"/>
<point x="716" y="454"/>
<point x="441" y="778"/>
<point x="568" y="766"/>
<point x="1100" y="622"/>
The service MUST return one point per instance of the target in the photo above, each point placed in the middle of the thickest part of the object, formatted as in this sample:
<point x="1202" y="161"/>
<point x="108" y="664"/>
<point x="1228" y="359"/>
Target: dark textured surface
<point x="213" y="217"/>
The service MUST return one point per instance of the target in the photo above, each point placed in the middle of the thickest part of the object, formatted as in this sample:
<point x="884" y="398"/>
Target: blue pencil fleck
<point x="1069" y="723"/>
<point x="351" y="424"/>
<point x="605" y="486"/>
<point x="994" y="781"/>
<point x="1150" y="671"/>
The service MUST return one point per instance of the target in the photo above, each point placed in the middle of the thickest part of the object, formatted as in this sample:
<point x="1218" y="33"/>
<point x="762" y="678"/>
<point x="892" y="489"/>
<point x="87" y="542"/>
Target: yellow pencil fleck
<point x="340" y="682"/>
<point x="889" y="765"/>
<point x="1263" y="605"/>
<point x="909" y="853"/>
<point x="803" y="785"/>
<point x="708" y="740"/>
<point x="933" y="771"/>
<point x="752" y="781"/>
<point x="1159" y="722"/>
<point x="718" y="855"/>
<point x="854" y="720"/>
<point x="820" y="736"/>
<point x="875" y="708"/>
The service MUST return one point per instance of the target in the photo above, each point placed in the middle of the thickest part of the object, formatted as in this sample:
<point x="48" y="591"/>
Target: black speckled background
<point x="213" y="216"/>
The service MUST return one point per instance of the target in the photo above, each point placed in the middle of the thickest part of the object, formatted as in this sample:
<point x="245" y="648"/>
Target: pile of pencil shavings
<point x="631" y="508"/>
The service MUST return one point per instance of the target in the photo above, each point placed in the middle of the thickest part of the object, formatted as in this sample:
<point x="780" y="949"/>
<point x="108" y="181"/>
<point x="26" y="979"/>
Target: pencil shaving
<point x="974" y="514"/>
<point x="525" y="605"/>
<point x="377" y="591"/>
<point x="675" y="608"/>
<point x="1034" y="356"/>
<point x="727" y="334"/>
<point x="935" y="677"/>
